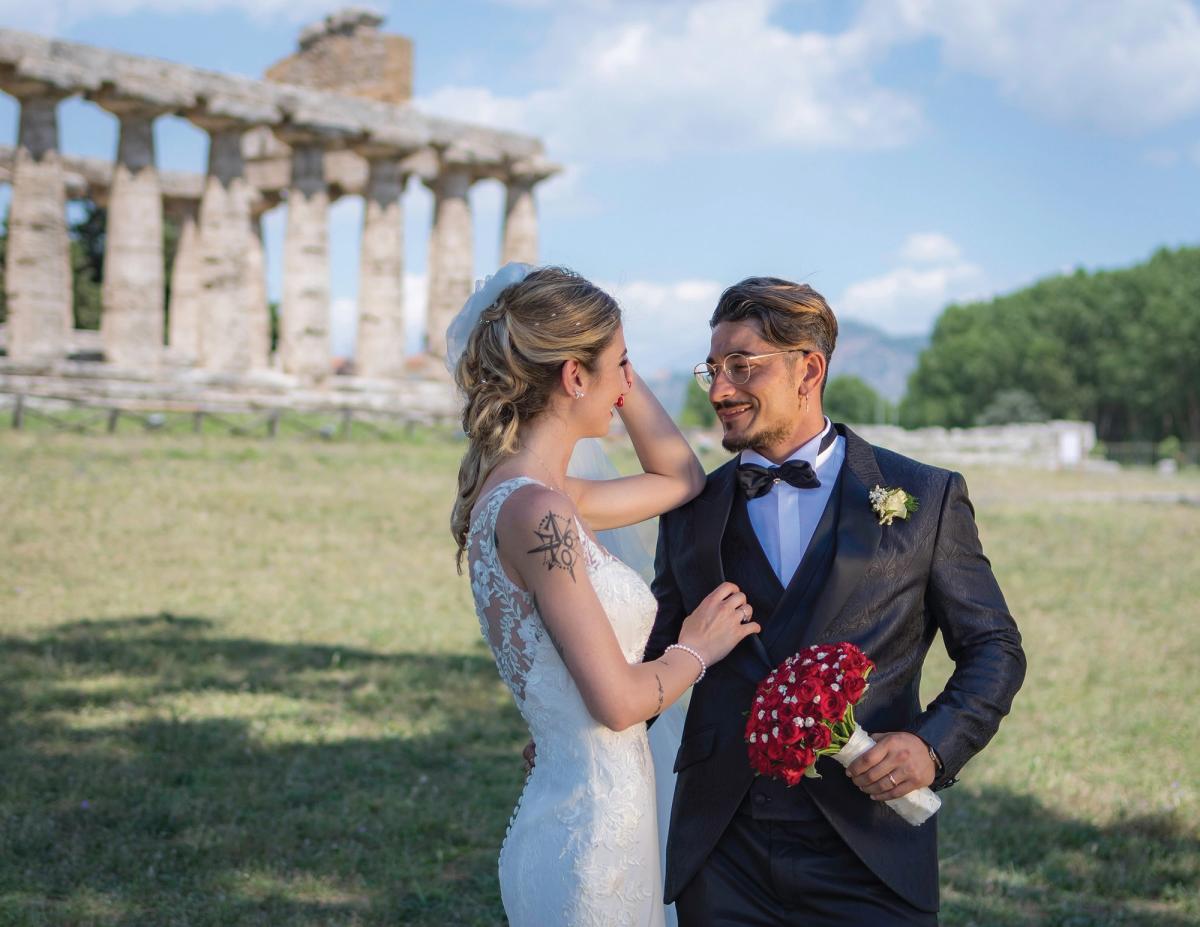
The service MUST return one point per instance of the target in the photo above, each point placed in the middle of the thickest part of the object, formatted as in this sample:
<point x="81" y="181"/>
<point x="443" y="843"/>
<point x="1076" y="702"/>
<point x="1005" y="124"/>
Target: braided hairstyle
<point x="512" y="364"/>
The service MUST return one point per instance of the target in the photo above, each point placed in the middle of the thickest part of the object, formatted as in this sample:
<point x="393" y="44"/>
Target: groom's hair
<point x="790" y="315"/>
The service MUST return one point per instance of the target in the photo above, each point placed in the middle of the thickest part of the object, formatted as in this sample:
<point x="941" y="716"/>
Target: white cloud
<point x="343" y="318"/>
<point x="907" y="299"/>
<point x="343" y="326"/>
<point x="929" y="248"/>
<point x="416" y="305"/>
<point x="661" y="80"/>
<point x="1118" y="66"/>
<point x="666" y="324"/>
<point x="52" y="17"/>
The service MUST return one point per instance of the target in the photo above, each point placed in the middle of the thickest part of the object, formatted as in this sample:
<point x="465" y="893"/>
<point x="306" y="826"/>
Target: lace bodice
<point x="582" y="847"/>
<point x="507" y="615"/>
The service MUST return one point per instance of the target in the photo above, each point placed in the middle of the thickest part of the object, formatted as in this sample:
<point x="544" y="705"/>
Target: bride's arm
<point x="672" y="476"/>
<point x="539" y="542"/>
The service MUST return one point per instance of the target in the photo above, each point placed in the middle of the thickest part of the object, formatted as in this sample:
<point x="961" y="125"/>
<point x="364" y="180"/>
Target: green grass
<point x="241" y="683"/>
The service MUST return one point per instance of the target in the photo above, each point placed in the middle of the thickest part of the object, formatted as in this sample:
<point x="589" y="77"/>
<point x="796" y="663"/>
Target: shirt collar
<point x="806" y="451"/>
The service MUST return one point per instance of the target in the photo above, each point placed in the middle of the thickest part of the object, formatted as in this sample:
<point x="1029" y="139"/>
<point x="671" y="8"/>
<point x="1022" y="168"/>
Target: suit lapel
<point x="749" y="658"/>
<point x="710" y="515"/>
<point x="858" y="537"/>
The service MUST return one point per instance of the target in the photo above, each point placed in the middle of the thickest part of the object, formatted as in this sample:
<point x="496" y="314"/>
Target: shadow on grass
<point x="154" y="773"/>
<point x="1008" y="859"/>
<point x="157" y="772"/>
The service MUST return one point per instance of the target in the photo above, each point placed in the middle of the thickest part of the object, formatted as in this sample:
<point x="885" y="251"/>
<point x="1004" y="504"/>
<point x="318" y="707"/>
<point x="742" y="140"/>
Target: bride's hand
<point x="719" y="623"/>
<point x="630" y="381"/>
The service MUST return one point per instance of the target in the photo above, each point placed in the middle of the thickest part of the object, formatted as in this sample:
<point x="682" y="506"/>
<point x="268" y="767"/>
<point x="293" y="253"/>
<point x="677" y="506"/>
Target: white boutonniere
<point x="890" y="504"/>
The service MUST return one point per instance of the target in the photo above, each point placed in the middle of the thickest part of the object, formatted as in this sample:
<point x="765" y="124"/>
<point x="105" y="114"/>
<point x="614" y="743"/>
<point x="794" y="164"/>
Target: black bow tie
<point x="758" y="481"/>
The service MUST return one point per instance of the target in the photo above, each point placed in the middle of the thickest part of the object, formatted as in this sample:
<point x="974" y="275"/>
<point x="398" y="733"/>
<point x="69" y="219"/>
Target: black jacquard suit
<point x="888" y="589"/>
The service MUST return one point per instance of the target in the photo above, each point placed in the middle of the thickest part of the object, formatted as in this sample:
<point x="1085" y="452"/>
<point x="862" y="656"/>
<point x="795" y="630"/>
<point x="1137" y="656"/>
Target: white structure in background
<point x="331" y="120"/>
<point x="1059" y="445"/>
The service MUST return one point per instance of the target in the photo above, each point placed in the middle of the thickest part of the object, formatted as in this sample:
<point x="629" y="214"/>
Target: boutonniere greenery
<point x="890" y="504"/>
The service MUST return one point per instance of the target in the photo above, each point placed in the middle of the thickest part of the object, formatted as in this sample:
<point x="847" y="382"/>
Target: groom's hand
<point x="899" y="763"/>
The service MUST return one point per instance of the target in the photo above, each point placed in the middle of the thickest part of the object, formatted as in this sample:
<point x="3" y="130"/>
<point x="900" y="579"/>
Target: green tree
<point x="1011" y="406"/>
<point x="87" y="264"/>
<point x="851" y="399"/>
<point x="3" y="265"/>
<point x="1119" y="348"/>
<point x="697" y="411"/>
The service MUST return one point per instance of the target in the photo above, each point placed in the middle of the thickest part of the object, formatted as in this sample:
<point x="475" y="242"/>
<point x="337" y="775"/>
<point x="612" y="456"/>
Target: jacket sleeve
<point x="981" y="638"/>
<point x="671" y="612"/>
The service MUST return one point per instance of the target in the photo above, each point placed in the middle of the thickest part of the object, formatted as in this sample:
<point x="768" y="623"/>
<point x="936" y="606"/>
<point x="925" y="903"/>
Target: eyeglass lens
<point x="737" y="369"/>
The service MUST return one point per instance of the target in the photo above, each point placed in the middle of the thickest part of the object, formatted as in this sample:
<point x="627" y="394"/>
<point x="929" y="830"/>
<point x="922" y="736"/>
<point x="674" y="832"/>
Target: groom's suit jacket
<point x="887" y="589"/>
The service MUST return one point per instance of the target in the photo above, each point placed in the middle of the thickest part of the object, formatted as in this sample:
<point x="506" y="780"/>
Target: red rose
<point x="832" y="706"/>
<point x="791" y="776"/>
<point x="807" y="688"/>
<point x="789" y="733"/>
<point x="819" y="736"/>
<point x="853" y="687"/>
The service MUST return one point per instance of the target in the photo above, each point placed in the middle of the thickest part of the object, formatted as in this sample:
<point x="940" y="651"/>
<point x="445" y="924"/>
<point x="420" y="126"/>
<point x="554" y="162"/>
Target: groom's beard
<point x="765" y="436"/>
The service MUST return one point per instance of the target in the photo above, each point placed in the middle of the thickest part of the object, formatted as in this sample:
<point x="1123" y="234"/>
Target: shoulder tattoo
<point x="558" y="543"/>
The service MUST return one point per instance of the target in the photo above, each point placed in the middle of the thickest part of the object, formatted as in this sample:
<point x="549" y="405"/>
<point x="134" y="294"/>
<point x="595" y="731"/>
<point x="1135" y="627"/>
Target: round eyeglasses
<point x="737" y="367"/>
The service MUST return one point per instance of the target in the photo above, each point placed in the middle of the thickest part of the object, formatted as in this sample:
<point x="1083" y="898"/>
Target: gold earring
<point x="805" y="397"/>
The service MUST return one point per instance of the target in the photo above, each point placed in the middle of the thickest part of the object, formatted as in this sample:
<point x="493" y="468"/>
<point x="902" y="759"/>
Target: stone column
<point x="520" y="236"/>
<point x="132" y="321"/>
<point x="451" y="252"/>
<point x="38" y="269"/>
<point x="225" y="342"/>
<point x="304" y="348"/>
<point x="187" y="288"/>
<point x="380" y="347"/>
<point x="258" y="307"/>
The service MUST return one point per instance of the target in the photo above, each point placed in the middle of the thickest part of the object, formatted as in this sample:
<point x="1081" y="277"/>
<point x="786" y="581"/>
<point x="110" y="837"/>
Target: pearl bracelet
<point x="694" y="653"/>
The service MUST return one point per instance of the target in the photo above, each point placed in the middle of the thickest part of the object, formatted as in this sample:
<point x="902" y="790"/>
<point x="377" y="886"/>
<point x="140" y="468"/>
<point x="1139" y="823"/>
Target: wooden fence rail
<point x="70" y="414"/>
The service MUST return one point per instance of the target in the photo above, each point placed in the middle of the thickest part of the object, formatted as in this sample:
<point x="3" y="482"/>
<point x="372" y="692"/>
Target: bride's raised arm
<point x="672" y="476"/>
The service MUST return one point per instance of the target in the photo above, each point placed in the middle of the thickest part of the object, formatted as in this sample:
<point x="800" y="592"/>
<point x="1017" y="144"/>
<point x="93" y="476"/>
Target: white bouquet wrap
<point x="916" y="807"/>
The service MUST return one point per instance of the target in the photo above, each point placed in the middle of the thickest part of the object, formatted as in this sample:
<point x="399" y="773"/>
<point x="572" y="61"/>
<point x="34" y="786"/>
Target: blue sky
<point x="896" y="155"/>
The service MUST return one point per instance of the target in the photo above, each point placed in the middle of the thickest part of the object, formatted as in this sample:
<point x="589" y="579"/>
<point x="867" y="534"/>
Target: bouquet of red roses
<point x="805" y="709"/>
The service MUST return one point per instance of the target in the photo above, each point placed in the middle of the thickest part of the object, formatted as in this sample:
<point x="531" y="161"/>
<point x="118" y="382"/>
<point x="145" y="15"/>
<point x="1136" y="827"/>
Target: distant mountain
<point x="882" y="360"/>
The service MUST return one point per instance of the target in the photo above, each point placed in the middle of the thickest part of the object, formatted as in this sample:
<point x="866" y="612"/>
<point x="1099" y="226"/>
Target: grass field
<point x="240" y="683"/>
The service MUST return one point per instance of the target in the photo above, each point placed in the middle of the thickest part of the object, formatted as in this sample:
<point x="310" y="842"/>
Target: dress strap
<point x="487" y="509"/>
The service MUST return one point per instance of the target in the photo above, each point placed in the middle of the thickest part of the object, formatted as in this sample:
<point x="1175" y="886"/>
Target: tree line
<point x="1120" y="348"/>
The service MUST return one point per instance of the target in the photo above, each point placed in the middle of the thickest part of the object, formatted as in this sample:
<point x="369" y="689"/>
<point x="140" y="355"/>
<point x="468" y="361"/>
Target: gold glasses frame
<point x="706" y="373"/>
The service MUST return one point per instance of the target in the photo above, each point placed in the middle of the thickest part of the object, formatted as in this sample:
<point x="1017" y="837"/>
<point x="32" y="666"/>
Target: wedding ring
<point x="892" y="780"/>
<point x="742" y="612"/>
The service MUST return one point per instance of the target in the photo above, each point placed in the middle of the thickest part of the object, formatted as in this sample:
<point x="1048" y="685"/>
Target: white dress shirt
<point x="785" y="519"/>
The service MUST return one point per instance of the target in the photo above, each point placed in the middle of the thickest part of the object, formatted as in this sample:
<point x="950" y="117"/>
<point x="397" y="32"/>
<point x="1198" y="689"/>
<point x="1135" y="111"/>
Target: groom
<point x="805" y="545"/>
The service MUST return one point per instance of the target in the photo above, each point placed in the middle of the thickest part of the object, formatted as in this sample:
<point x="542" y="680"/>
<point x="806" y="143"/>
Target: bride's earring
<point x="578" y="394"/>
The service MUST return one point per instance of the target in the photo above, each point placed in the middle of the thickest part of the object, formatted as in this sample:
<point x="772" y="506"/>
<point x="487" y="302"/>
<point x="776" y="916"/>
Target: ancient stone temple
<point x="334" y="119"/>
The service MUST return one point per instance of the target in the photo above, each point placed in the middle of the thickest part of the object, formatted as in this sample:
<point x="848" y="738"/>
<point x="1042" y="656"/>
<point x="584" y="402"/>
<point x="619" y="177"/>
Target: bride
<point x="543" y="364"/>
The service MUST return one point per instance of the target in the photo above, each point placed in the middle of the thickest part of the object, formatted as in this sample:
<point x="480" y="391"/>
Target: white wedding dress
<point x="582" y="846"/>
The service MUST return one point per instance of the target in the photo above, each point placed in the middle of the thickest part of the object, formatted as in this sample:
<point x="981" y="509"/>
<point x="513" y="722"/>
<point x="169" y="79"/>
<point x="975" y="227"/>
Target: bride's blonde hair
<point x="512" y="363"/>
